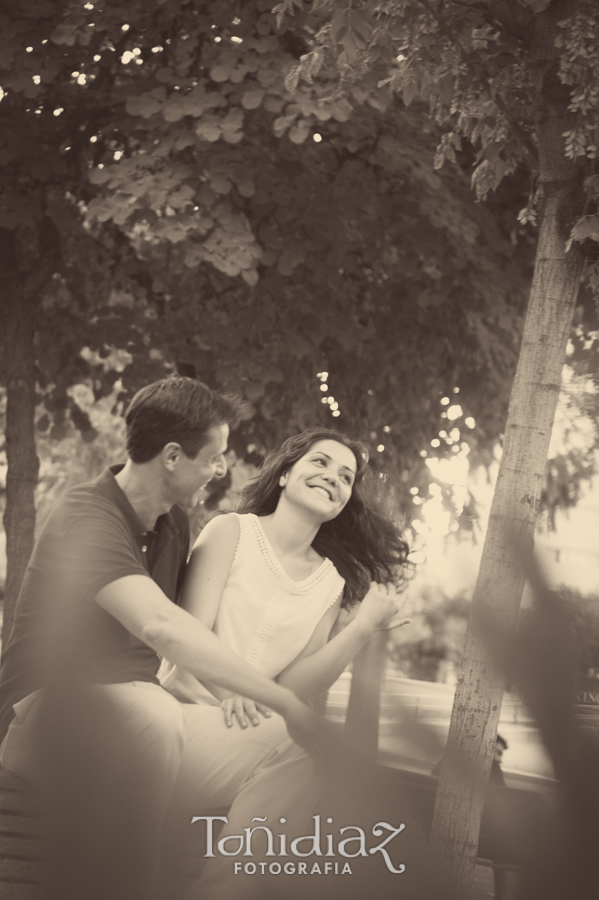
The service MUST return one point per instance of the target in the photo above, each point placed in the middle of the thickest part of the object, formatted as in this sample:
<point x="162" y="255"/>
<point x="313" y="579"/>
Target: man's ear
<point x="171" y="454"/>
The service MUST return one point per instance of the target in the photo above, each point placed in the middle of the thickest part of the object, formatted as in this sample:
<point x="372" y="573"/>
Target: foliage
<point x="431" y="649"/>
<point x="472" y="64"/>
<point x="378" y="284"/>
<point x="572" y="460"/>
<point x="199" y="226"/>
<point x="581" y="616"/>
<point x="469" y="61"/>
<point x="497" y="75"/>
<point x="74" y="458"/>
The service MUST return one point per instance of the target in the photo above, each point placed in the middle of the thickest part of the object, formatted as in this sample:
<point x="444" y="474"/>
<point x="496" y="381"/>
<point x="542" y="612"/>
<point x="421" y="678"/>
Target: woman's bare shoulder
<point x="222" y="529"/>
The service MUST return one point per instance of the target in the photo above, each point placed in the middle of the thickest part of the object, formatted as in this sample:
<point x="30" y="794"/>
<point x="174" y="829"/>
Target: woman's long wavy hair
<point x="362" y="541"/>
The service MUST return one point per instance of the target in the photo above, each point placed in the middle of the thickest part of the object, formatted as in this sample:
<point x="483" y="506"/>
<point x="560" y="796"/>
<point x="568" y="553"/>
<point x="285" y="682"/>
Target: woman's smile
<point x="326" y="492"/>
<point x="327" y="470"/>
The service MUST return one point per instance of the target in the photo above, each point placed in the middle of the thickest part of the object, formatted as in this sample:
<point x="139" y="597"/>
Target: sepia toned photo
<point x="299" y="573"/>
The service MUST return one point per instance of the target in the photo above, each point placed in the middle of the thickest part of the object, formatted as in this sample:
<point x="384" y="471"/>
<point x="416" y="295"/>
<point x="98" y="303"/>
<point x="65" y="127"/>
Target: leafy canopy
<point x="199" y="222"/>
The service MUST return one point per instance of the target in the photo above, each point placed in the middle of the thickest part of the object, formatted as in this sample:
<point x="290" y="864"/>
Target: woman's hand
<point x="381" y="610"/>
<point x="243" y="709"/>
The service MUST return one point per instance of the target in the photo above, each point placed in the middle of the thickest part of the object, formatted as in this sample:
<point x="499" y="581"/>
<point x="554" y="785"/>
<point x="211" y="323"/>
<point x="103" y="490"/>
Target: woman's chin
<point x="323" y="511"/>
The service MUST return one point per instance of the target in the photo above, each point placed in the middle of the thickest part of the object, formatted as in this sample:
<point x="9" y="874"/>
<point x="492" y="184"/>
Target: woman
<point x="271" y="581"/>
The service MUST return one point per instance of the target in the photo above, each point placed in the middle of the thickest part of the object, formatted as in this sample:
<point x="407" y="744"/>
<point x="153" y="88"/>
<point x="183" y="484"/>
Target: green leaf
<point x="250" y="276"/>
<point x="174" y="109"/>
<point x="181" y="197"/>
<point x="232" y="137"/>
<point x="274" y="104"/>
<point x="588" y="227"/>
<point x="298" y="133"/>
<point x="208" y="131"/>
<point x="145" y="105"/>
<point x="292" y="79"/>
<point x="221" y="73"/>
<point x="220" y="184"/>
<point x="171" y="229"/>
<point x="246" y="187"/>
<point x="253" y="98"/>
<point x="282" y="123"/>
<point x="233" y="121"/>
<point x="99" y="176"/>
<point x="323" y="113"/>
<point x="64" y="34"/>
<point x="341" y="109"/>
<point x="338" y="24"/>
<point x="194" y="255"/>
<point x="238" y="74"/>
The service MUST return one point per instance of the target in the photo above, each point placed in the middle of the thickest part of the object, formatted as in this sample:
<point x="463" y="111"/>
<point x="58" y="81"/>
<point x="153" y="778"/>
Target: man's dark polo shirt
<point x="92" y="537"/>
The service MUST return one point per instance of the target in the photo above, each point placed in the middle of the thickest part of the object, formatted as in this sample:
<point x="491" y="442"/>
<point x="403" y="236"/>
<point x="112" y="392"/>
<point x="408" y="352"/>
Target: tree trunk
<point x="21" y="456"/>
<point x="18" y="331"/>
<point x="533" y="400"/>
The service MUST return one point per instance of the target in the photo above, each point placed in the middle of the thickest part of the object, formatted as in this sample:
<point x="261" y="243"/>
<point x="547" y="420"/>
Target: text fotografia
<point x="351" y="842"/>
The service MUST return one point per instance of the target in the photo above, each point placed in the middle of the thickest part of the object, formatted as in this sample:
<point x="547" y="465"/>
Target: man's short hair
<point x="176" y="409"/>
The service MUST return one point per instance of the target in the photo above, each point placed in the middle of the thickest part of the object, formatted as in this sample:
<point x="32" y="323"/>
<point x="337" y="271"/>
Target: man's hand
<point x="243" y="709"/>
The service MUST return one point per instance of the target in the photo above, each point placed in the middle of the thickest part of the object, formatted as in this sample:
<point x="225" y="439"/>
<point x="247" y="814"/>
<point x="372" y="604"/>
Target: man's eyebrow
<point x="347" y="468"/>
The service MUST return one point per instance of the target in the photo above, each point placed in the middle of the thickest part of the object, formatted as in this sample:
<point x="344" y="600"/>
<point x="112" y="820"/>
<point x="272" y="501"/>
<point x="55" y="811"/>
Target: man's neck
<point x="142" y="486"/>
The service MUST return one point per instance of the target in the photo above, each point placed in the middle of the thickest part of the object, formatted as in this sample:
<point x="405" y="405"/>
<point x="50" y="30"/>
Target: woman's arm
<point x="205" y="579"/>
<point x="320" y="664"/>
<point x="209" y="567"/>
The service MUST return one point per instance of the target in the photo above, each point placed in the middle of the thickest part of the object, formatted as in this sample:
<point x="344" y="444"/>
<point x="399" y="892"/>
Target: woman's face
<point x="322" y="479"/>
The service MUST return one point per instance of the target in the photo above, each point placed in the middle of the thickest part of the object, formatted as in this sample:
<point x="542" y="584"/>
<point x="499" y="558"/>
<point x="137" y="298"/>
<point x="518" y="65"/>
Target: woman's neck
<point x="290" y="531"/>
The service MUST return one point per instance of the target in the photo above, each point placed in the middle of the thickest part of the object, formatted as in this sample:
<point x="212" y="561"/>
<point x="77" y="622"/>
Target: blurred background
<point x="445" y="515"/>
<point x="335" y="214"/>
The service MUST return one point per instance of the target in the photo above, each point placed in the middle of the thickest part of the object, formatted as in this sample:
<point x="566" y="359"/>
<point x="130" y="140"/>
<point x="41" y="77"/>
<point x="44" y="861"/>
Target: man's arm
<point x="140" y="606"/>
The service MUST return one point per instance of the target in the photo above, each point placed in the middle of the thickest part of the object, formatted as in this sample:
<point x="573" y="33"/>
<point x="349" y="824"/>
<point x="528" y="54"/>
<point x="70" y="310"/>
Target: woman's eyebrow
<point x="347" y="468"/>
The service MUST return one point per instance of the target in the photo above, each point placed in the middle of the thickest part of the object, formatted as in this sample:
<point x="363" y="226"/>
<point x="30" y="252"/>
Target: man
<point x="98" y="606"/>
<point x="496" y="775"/>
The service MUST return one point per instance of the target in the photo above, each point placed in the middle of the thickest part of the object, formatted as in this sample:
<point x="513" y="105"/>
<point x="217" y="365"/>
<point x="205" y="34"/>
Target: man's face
<point x="191" y="476"/>
<point x="499" y="748"/>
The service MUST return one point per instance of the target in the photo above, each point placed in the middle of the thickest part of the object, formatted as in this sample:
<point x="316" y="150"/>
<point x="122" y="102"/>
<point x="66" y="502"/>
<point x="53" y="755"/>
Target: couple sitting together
<point x="242" y="627"/>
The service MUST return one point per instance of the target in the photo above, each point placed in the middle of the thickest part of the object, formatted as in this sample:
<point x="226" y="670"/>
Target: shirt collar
<point x="108" y="483"/>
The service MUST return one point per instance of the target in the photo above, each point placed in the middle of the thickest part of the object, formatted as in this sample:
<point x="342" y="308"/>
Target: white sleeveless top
<point x="264" y="616"/>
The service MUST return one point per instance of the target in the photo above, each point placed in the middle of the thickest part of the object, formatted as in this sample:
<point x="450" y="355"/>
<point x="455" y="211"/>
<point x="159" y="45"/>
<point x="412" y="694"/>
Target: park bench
<point x="510" y="817"/>
<point x="21" y="841"/>
<point x="23" y="847"/>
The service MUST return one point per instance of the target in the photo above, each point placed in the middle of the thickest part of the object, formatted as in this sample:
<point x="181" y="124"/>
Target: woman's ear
<point x="283" y="480"/>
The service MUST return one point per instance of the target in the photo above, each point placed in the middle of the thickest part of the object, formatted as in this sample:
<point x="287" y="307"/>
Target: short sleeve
<point x="98" y="549"/>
